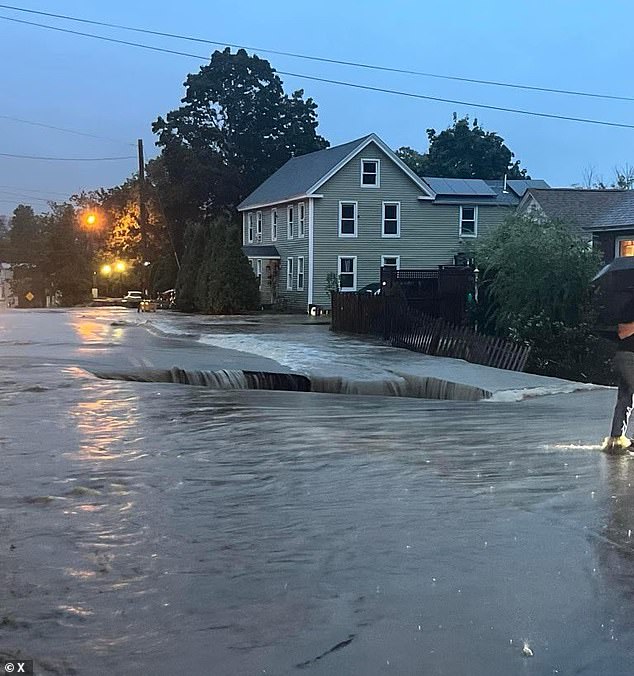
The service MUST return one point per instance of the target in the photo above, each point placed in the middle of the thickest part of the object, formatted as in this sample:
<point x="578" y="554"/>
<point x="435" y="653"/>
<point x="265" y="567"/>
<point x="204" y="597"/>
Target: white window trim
<point x="356" y="218"/>
<point x="398" y="260"/>
<point x="617" y="242"/>
<point x="378" y="173"/>
<point x="398" y="220"/>
<point x="303" y="268"/>
<point x="290" y="272"/>
<point x="301" y="220"/>
<point x="250" y="229"/>
<point x="258" y="227"/>
<point x="274" y="224"/>
<point x="354" y="284"/>
<point x="475" y="224"/>
<point x="290" y="223"/>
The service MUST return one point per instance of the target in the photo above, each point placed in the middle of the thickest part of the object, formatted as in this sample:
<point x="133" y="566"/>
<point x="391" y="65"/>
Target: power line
<point x="19" y="196"/>
<point x="322" y="59"/>
<point x="67" y="159"/>
<point x="68" y="131"/>
<point x="384" y="90"/>
<point x="27" y="190"/>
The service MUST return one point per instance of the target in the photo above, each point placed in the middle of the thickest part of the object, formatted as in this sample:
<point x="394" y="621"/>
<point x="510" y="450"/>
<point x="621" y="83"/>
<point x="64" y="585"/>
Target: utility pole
<point x="143" y="217"/>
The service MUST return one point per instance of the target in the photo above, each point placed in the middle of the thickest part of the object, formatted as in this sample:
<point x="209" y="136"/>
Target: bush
<point x="535" y="288"/>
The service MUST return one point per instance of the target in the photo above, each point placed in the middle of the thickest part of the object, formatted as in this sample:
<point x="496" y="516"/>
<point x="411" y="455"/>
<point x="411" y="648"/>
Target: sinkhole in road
<point x="401" y="385"/>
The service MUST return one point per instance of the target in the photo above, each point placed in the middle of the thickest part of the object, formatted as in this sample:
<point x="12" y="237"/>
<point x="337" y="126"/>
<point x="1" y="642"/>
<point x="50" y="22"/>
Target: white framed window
<point x="258" y="272"/>
<point x="391" y="262"/>
<point x="468" y="221"/>
<point x="624" y="246"/>
<point x="273" y="225"/>
<point x="258" y="227"/>
<point x="391" y="219"/>
<point x="370" y="173"/>
<point x="289" y="274"/>
<point x="250" y="228"/>
<point x="347" y="267"/>
<point x="347" y="219"/>
<point x="300" y="273"/>
<point x="301" y="219"/>
<point x="290" y="217"/>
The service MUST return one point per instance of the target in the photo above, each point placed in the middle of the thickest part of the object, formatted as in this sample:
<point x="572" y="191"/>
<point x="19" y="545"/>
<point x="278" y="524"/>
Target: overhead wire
<point x="343" y="83"/>
<point x="64" y="129"/>
<point x="322" y="59"/>
<point x="67" y="159"/>
<point x="27" y="190"/>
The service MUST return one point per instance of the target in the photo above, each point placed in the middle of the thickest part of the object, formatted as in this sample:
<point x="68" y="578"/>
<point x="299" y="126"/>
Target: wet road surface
<point x="155" y="528"/>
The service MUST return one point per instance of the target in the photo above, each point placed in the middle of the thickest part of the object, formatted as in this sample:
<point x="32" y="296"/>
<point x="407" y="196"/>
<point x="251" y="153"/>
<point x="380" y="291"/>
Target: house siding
<point x="429" y="233"/>
<point x="297" y="246"/>
<point x="605" y="242"/>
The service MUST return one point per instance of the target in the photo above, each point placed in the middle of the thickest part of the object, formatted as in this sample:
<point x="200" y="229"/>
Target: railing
<point x="390" y="318"/>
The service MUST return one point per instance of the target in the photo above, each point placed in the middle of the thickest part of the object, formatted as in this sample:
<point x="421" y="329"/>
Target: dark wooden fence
<point x="440" y="292"/>
<point x="390" y="318"/>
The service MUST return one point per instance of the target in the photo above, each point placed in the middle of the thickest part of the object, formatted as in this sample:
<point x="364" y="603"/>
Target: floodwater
<point x="158" y="528"/>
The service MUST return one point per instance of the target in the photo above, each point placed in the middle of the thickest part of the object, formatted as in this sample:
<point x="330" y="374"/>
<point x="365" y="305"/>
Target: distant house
<point x="7" y="297"/>
<point x="605" y="217"/>
<point x="351" y="209"/>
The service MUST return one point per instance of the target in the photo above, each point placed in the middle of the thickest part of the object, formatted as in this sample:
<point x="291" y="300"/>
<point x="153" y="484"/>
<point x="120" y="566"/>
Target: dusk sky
<point x="116" y="91"/>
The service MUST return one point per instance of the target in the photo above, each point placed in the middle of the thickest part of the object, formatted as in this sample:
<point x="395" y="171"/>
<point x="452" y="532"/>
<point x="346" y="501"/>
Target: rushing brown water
<point x="159" y="528"/>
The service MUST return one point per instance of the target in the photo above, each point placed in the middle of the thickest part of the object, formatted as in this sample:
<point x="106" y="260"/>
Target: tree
<point x="67" y="257"/>
<point x="191" y="263"/>
<point x="232" y="286"/>
<point x="215" y="276"/>
<point x="24" y="243"/>
<point x="535" y="288"/>
<point x="623" y="179"/>
<point x="235" y="128"/>
<point x="464" y="151"/>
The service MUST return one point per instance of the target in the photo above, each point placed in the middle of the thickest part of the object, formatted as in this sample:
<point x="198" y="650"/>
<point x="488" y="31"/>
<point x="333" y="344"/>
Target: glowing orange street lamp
<point x="119" y="266"/>
<point x="106" y="270"/>
<point x="90" y="220"/>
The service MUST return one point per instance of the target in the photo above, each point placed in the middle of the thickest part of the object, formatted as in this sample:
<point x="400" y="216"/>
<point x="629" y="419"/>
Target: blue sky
<point x="117" y="91"/>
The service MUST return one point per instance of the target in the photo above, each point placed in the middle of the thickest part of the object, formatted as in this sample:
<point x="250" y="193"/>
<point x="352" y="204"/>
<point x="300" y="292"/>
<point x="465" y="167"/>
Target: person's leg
<point x="624" y="367"/>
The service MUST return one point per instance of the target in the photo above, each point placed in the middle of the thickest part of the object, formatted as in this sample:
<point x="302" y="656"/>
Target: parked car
<point x="167" y="299"/>
<point x="373" y="289"/>
<point x="133" y="299"/>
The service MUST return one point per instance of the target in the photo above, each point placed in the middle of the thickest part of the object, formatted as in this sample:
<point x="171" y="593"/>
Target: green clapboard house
<point x="348" y="210"/>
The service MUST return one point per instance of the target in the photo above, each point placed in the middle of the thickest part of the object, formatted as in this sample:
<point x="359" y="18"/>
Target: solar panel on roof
<point x="460" y="186"/>
<point x="519" y="186"/>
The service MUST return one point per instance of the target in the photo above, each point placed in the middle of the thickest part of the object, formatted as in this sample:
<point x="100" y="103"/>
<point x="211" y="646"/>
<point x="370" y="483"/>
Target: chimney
<point x="504" y="189"/>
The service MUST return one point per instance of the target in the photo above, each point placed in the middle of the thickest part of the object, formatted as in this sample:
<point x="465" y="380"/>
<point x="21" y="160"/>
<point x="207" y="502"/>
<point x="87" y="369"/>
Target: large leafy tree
<point x="235" y="127"/>
<point x="464" y="150"/>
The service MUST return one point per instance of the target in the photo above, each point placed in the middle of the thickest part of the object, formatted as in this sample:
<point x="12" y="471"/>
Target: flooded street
<point x="154" y="528"/>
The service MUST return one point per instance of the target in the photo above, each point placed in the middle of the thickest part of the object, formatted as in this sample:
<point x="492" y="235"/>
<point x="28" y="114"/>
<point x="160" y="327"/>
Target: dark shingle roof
<point x="587" y="209"/>
<point x="520" y="185"/>
<point x="260" y="251"/>
<point x="299" y="174"/>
